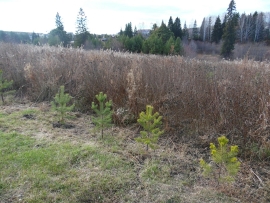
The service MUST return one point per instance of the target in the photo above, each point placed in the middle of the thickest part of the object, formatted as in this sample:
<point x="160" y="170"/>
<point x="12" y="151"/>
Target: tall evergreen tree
<point x="163" y="24"/>
<point x="178" y="49"/>
<point x="135" y="31"/>
<point x="217" y="31"/>
<point x="224" y="23"/>
<point x="154" y="27"/>
<point x="229" y="35"/>
<point x="170" y="24"/>
<point x="128" y="30"/>
<point x="177" y="29"/>
<point x="82" y="30"/>
<point x="164" y="33"/>
<point x="195" y="31"/>
<point x="121" y="32"/>
<point x="156" y="43"/>
<point x="58" y="35"/>
<point x="169" y="46"/>
<point x="231" y="10"/>
<point x="185" y="32"/>
<point x="58" y="22"/>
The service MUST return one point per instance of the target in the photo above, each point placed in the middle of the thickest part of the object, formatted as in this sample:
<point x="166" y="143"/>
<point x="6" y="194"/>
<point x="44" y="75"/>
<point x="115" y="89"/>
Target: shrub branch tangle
<point x="150" y="123"/>
<point x="104" y="112"/>
<point x="60" y="104"/>
<point x="4" y="84"/>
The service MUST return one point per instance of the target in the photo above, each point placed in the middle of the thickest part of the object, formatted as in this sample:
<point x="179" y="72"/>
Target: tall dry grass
<point x="195" y="97"/>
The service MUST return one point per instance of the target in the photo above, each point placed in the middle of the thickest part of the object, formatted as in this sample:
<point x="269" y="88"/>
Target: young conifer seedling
<point x="104" y="112"/>
<point x="225" y="164"/>
<point x="4" y="84"/>
<point x="60" y="104"/>
<point x="150" y="123"/>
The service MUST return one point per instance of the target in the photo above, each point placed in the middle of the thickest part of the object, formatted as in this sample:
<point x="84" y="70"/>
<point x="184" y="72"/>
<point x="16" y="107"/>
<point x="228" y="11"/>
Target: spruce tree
<point x="128" y="30"/>
<point x="163" y="32"/>
<point x="154" y="27"/>
<point x="135" y="31"/>
<point x="156" y="43"/>
<point x="121" y="32"/>
<point x="169" y="46"/>
<point x="170" y="24"/>
<point x="58" y="35"/>
<point x="178" y="49"/>
<point x="58" y="22"/>
<point x="195" y="31"/>
<point x="185" y="32"/>
<point x="82" y="31"/>
<point x="217" y="31"/>
<point x="229" y="35"/>
<point x="223" y="25"/>
<point x="177" y="29"/>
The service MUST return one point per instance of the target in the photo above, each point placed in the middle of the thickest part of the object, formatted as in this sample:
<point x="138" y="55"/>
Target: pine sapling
<point x="104" y="112"/>
<point x="60" y="104"/>
<point x="225" y="164"/>
<point x="150" y="123"/>
<point x="4" y="84"/>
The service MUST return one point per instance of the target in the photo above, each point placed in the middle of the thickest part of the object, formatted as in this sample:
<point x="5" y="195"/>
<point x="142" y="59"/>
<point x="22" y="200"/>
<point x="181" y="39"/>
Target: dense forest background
<point x="231" y="35"/>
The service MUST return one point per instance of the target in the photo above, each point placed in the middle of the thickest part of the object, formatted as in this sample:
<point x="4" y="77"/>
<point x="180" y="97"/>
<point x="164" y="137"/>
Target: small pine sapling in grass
<point x="225" y="165"/>
<point x="60" y="104"/>
<point x="150" y="123"/>
<point x="104" y="112"/>
<point x="4" y="84"/>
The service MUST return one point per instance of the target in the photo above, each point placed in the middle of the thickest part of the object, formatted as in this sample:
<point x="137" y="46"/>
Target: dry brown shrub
<point x="255" y="51"/>
<point x="195" y="97"/>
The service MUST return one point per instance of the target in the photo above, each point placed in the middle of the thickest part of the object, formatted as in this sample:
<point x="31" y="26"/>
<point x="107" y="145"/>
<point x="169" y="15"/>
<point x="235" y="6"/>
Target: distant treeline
<point x="15" y="37"/>
<point x="165" y="39"/>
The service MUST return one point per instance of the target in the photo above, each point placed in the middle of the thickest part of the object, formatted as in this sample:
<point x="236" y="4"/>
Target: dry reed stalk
<point x="195" y="97"/>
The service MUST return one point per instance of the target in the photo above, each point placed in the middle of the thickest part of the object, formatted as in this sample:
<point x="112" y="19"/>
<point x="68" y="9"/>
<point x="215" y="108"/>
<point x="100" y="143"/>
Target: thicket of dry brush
<point x="201" y="97"/>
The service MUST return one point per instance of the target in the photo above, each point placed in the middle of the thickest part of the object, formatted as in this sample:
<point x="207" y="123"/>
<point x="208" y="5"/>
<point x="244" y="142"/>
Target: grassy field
<point x="199" y="99"/>
<point x="40" y="163"/>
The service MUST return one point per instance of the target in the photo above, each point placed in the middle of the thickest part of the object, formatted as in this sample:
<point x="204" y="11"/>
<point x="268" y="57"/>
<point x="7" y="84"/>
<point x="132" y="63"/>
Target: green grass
<point x="14" y="119"/>
<point x="40" y="163"/>
<point x="52" y="171"/>
<point x="28" y="111"/>
<point x="154" y="171"/>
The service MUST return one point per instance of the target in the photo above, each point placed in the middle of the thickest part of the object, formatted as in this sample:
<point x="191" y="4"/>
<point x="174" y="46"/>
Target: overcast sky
<point x="109" y="16"/>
